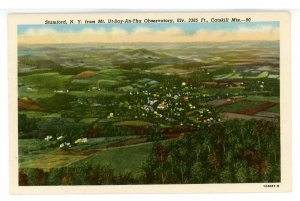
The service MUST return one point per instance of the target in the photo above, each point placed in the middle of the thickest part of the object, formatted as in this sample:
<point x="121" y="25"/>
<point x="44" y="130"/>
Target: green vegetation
<point x="234" y="107"/>
<point x="50" y="80"/>
<point x="234" y="152"/>
<point x="128" y="159"/>
<point x="275" y="109"/>
<point x="133" y="123"/>
<point x="148" y="113"/>
<point x="274" y="99"/>
<point x="259" y="76"/>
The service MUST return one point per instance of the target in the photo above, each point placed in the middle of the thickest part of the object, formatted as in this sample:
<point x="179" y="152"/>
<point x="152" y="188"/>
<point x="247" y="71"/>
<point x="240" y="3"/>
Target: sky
<point x="118" y="33"/>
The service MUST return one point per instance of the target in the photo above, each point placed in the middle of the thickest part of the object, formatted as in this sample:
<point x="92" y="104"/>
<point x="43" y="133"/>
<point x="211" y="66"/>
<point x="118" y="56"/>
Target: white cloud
<point x="172" y="32"/>
<point x="40" y="31"/>
<point x="142" y="30"/>
<point x="143" y="34"/>
<point x="118" y="32"/>
<point x="262" y="29"/>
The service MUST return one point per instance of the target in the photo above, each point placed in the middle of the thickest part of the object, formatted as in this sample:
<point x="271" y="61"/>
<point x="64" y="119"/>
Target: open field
<point x="229" y="116"/>
<point x="100" y="148"/>
<point x="237" y="106"/>
<point x="125" y="158"/>
<point x="257" y="108"/>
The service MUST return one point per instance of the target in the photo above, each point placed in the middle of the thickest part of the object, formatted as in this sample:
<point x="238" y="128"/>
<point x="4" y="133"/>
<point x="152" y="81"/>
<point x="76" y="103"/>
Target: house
<point x="162" y="106"/>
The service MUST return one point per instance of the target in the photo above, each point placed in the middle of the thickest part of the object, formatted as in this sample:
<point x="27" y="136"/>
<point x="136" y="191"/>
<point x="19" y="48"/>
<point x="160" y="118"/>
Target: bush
<point x="35" y="176"/>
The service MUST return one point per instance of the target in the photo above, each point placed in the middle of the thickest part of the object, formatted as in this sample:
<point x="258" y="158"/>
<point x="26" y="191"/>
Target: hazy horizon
<point x="131" y="33"/>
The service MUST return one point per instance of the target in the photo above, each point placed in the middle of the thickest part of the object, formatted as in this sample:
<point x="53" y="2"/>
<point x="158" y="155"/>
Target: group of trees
<point x="235" y="151"/>
<point x="232" y="152"/>
<point x="38" y="62"/>
<point x="265" y="86"/>
<point x="79" y="175"/>
<point x="41" y="127"/>
<point x="30" y="128"/>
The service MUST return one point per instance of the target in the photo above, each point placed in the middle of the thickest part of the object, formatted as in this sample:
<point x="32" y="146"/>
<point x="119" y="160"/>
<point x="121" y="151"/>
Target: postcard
<point x="190" y="102"/>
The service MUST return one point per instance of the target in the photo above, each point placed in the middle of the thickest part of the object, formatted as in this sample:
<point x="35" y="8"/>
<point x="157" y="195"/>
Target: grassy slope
<point x="238" y="106"/>
<point x="275" y="109"/>
<point x="121" y="158"/>
<point x="36" y="153"/>
<point x="275" y="99"/>
<point x="51" y="80"/>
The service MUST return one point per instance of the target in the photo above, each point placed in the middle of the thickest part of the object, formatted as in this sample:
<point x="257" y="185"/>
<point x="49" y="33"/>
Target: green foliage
<point x="73" y="70"/>
<point x="140" y="65"/>
<point x="55" y="176"/>
<point x="108" y="130"/>
<point x="36" y="177"/>
<point x="38" y="62"/>
<point x="57" y="102"/>
<point x="120" y="100"/>
<point x="125" y="159"/>
<point x="223" y="70"/>
<point x="45" y="80"/>
<point x="41" y="127"/>
<point x="26" y="126"/>
<point x="234" y="107"/>
<point x="82" y="175"/>
<point x="23" y="178"/>
<point x="232" y="152"/>
<point x="269" y="87"/>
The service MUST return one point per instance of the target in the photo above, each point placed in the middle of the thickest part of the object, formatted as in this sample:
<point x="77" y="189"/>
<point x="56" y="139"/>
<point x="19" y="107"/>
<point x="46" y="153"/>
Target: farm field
<point x="149" y="113"/>
<point x="97" y="151"/>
